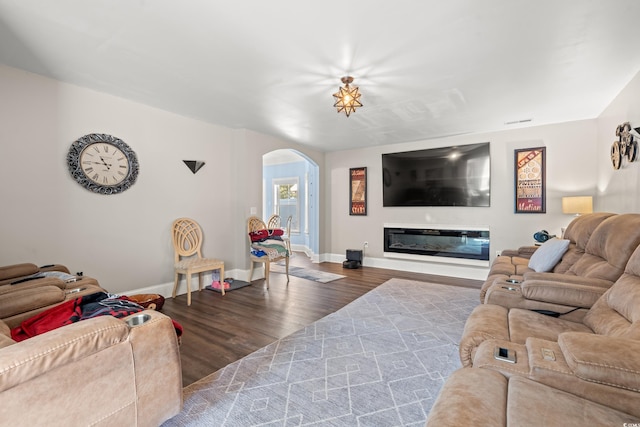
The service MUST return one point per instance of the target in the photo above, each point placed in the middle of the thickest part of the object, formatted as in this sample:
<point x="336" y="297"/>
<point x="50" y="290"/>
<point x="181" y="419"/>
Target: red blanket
<point x="260" y="235"/>
<point x="81" y="308"/>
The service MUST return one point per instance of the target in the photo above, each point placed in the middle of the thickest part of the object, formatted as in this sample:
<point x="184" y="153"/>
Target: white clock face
<point x="104" y="164"/>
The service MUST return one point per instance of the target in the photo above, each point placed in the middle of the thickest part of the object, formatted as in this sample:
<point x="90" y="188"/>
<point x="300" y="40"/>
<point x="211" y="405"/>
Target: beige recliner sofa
<point x="514" y="263"/>
<point x="615" y="314"/>
<point x="563" y="372"/>
<point x="99" y="372"/>
<point x="600" y="246"/>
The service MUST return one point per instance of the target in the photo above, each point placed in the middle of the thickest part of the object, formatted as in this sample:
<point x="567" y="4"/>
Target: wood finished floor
<point x="220" y="329"/>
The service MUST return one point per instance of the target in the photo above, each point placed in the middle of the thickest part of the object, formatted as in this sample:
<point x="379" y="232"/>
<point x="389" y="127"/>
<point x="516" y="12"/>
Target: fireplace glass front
<point x="465" y="244"/>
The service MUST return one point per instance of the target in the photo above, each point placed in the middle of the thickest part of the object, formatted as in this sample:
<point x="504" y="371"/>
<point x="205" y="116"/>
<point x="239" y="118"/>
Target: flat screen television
<point x="445" y="176"/>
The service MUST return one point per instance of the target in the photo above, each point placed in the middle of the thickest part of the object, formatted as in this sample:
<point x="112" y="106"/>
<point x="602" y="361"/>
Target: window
<point x="287" y="201"/>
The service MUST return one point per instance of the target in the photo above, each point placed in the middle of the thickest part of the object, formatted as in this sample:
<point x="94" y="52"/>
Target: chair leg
<point x="175" y="284"/>
<point x="286" y="263"/>
<point x="188" y="288"/>
<point x="199" y="281"/>
<point x="266" y="272"/>
<point x="250" y="270"/>
<point x="222" y="280"/>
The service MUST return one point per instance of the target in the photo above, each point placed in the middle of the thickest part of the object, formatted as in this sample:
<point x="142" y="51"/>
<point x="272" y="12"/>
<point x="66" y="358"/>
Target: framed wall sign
<point x="358" y="191"/>
<point x="530" y="180"/>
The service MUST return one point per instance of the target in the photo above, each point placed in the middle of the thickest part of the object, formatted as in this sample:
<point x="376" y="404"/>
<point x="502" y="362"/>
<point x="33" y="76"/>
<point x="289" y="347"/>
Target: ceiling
<point x="426" y="69"/>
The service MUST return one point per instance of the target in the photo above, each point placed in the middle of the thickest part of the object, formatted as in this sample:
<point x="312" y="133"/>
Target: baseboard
<point x="166" y="289"/>
<point x="426" y="267"/>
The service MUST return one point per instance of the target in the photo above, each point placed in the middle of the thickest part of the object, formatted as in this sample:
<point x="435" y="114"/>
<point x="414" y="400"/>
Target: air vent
<point x="515" y="122"/>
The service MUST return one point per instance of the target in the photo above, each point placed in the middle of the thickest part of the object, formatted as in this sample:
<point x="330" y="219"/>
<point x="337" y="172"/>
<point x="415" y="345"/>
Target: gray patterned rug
<point x="379" y="361"/>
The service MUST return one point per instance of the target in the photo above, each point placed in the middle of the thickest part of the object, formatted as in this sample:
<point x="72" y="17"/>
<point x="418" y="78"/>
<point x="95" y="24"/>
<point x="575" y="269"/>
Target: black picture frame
<point x="358" y="191"/>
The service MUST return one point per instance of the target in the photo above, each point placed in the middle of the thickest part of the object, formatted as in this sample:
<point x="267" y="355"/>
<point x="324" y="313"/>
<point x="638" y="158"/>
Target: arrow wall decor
<point x="194" y="165"/>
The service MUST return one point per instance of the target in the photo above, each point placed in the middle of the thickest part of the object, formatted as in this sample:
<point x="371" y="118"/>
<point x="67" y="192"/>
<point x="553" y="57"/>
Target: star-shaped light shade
<point x="347" y="97"/>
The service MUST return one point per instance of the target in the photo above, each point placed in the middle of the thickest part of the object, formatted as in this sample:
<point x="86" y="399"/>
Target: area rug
<point x="305" y="273"/>
<point x="379" y="361"/>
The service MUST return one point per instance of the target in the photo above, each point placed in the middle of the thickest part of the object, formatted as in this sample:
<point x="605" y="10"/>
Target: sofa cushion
<point x="578" y="233"/>
<point x="603" y="360"/>
<point x="609" y="248"/>
<point x="17" y="270"/>
<point x="483" y="397"/>
<point x="534" y="404"/>
<point x="548" y="255"/>
<point x="525" y="323"/>
<point x="26" y="300"/>
<point x="617" y="312"/>
<point x="34" y="357"/>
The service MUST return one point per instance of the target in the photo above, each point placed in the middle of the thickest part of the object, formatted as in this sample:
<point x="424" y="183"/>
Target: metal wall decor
<point x="625" y="146"/>
<point x="103" y="163"/>
<point x="530" y="180"/>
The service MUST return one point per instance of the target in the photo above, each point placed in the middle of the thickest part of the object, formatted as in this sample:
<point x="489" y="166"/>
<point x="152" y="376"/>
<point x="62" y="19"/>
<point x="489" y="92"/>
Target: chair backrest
<point x="273" y="222"/>
<point x="187" y="238"/>
<point x="254" y="224"/>
<point x="289" y="219"/>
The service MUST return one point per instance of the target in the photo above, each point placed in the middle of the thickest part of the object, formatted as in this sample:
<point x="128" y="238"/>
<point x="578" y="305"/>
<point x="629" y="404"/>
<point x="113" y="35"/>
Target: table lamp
<point x="577" y="205"/>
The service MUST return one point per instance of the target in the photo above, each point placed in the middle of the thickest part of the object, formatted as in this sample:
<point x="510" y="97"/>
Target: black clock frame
<point x="73" y="162"/>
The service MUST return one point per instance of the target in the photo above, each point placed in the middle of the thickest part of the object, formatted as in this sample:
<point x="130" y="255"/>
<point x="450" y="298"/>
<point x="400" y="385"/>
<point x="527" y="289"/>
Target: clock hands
<point x="108" y="165"/>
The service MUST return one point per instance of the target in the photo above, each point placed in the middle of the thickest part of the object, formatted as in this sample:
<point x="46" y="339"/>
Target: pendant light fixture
<point x="347" y="97"/>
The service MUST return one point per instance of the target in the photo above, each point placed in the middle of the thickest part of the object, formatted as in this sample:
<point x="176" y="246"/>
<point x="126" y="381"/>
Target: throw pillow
<point x="548" y="255"/>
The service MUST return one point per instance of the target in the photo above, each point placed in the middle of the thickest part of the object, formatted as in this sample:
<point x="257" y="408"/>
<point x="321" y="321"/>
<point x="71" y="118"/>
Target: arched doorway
<point x="290" y="187"/>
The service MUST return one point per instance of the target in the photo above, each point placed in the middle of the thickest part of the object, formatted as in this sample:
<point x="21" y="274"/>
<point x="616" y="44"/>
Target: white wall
<point x="123" y="240"/>
<point x="618" y="189"/>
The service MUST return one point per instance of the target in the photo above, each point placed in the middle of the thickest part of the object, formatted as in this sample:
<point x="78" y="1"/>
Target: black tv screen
<point x="445" y="176"/>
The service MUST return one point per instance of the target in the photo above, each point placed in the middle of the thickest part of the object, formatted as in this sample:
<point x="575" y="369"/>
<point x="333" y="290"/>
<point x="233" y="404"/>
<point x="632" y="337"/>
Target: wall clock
<point x="102" y="163"/>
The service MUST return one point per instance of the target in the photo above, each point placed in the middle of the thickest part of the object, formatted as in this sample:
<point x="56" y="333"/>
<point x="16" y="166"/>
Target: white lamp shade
<point x="577" y="205"/>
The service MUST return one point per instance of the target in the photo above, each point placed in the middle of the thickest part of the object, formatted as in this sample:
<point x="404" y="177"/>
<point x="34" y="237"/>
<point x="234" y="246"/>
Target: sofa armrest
<point x="574" y="295"/>
<point x="471" y="397"/>
<point x="156" y="356"/>
<point x="522" y="251"/>
<point x="568" y="278"/>
<point x="486" y="321"/>
<point x="36" y="356"/>
<point x="602" y="359"/>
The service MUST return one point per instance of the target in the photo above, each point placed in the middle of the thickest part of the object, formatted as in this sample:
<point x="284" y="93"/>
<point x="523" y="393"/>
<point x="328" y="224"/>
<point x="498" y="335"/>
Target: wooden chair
<point x="287" y="234"/>
<point x="273" y="222"/>
<point x="187" y="244"/>
<point x="254" y="224"/>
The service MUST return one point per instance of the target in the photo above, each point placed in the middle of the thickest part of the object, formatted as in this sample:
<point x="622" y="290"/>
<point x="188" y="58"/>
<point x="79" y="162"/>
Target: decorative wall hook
<point x="194" y="165"/>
